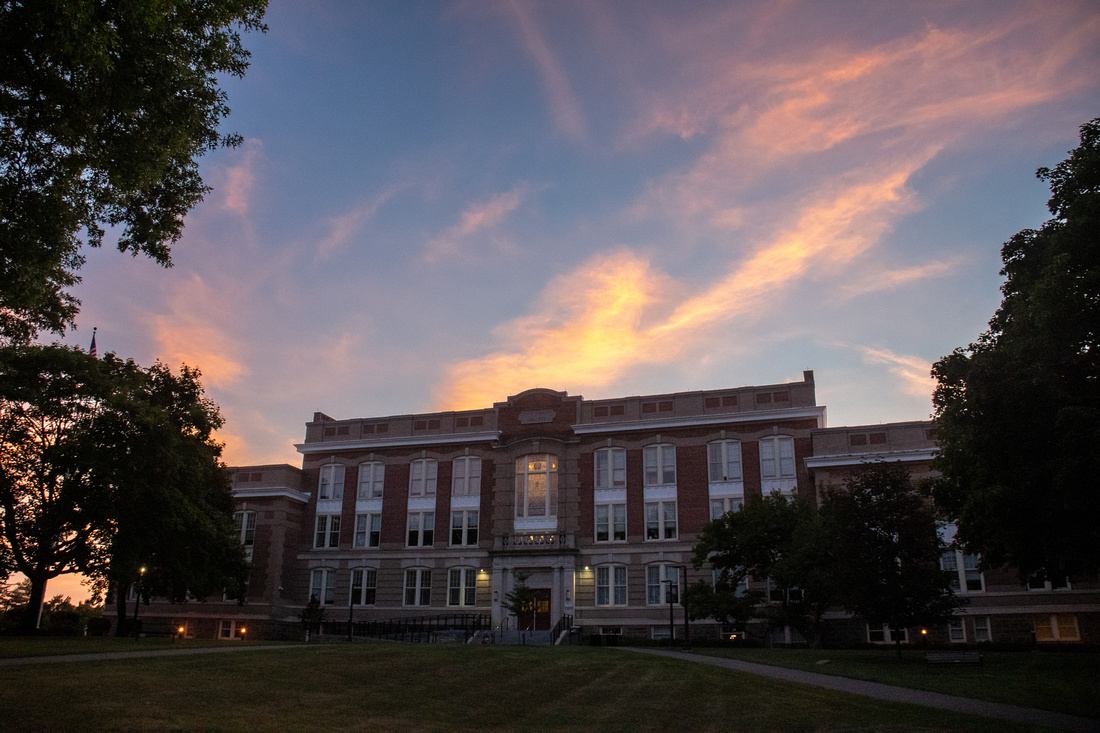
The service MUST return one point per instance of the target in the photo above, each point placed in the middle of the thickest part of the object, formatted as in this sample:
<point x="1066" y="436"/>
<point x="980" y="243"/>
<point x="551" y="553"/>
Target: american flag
<point x="92" y="351"/>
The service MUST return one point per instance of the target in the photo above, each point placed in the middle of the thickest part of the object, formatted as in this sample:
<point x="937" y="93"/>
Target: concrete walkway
<point x="56" y="659"/>
<point x="1027" y="716"/>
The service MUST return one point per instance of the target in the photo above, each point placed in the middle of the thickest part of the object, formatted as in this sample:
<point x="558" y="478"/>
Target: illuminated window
<point x="660" y="465"/>
<point x="461" y="586"/>
<point x="610" y="468"/>
<point x="464" y="528"/>
<point x="422" y="473"/>
<point x="611" y="585"/>
<point x="660" y="520"/>
<point x="1057" y="627"/>
<point x="537" y="486"/>
<point x="331" y="485"/>
<point x="724" y="461"/>
<point x="364" y="582"/>
<point x="371" y="477"/>
<point x="662" y="584"/>
<point x="466" y="479"/>
<point x="418" y="587"/>
<point x="777" y="457"/>
<point x="368" y="530"/>
<point x="611" y="523"/>
<point x="328" y="531"/>
<point x="322" y="586"/>
<point x="421" y="529"/>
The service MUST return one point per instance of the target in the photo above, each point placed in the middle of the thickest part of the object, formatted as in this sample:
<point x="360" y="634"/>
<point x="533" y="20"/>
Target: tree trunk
<point x="120" y="610"/>
<point x="33" y="620"/>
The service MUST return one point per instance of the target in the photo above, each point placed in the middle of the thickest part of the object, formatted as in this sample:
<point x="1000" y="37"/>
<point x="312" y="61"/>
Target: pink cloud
<point x="914" y="372"/>
<point x="478" y="217"/>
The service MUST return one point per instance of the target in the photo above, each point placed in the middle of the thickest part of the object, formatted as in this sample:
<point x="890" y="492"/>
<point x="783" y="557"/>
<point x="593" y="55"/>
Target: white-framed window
<point x="328" y="531"/>
<point x="418" y="587"/>
<point x="777" y="457"/>
<point x="322" y="585"/>
<point x="464" y="525"/>
<point x="331" y="484"/>
<point x="662" y="582"/>
<point x="660" y="464"/>
<point x="364" y="584"/>
<point x="466" y="479"/>
<point x="1057" y="627"/>
<point x="611" y="523"/>
<point x="724" y="461"/>
<point x="610" y="468"/>
<point x="421" y="529"/>
<point x="982" y="631"/>
<point x="660" y="520"/>
<point x="956" y="631"/>
<point x="537" y="486"/>
<point x="962" y="572"/>
<point x="885" y="635"/>
<point x="1056" y="584"/>
<point x="372" y="475"/>
<point x="422" y="474"/>
<point x="246" y="531"/>
<point x="721" y="505"/>
<point x="368" y="530"/>
<point x="461" y="587"/>
<point x="611" y="585"/>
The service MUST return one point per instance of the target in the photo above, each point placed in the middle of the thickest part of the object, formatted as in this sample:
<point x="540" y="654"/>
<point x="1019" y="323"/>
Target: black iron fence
<point x="455" y="627"/>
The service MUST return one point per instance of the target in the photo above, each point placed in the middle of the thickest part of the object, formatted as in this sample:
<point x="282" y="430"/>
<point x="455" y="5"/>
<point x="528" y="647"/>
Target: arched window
<point x="364" y="582"/>
<point x="371" y="476"/>
<point x="461" y="586"/>
<point x="610" y="468"/>
<point x="466" y="480"/>
<point x="660" y="464"/>
<point x="777" y="457"/>
<point x="331" y="484"/>
<point x="724" y="461"/>
<point x="537" y="486"/>
<point x="611" y="585"/>
<point x="422" y="473"/>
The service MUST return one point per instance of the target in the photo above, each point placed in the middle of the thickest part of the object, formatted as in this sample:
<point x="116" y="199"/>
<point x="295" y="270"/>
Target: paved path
<point x="1027" y="716"/>
<point x="21" y="661"/>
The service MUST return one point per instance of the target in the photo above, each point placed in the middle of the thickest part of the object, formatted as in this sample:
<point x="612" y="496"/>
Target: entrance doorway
<point x="542" y="609"/>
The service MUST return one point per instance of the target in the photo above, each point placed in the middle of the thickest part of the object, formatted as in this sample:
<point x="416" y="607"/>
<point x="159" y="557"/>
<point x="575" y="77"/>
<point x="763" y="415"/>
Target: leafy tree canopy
<point x="887" y="549"/>
<point x="105" y="106"/>
<point x="105" y="468"/>
<point x="769" y="538"/>
<point x="1018" y="411"/>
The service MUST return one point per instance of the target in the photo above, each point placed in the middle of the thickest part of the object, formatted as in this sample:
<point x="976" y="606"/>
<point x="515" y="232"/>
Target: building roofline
<point x="817" y="412"/>
<point x="399" y="442"/>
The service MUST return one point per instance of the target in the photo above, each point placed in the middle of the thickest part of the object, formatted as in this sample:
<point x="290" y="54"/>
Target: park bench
<point x="953" y="658"/>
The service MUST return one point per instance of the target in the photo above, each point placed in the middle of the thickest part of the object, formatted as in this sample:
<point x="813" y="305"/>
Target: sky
<point x="441" y="204"/>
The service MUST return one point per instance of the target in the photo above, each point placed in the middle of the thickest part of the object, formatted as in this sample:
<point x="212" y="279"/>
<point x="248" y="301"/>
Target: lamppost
<point x="683" y="602"/>
<point x="671" y="619"/>
<point x="137" y="598"/>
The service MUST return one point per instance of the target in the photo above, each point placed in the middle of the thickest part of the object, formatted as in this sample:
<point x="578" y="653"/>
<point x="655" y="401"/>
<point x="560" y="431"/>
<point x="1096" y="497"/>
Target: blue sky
<point x="440" y="204"/>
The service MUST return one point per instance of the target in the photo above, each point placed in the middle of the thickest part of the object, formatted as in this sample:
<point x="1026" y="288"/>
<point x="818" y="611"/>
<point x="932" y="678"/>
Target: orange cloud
<point x="616" y="312"/>
<point x="563" y="101"/>
<point x="188" y="334"/>
<point x="915" y="373"/>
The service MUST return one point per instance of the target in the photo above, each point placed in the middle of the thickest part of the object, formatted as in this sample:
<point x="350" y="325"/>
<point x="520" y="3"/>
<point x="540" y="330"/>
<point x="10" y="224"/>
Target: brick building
<point x="596" y="503"/>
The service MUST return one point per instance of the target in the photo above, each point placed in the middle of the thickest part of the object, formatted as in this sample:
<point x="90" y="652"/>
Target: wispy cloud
<point x="914" y="372"/>
<point x="479" y="217"/>
<point x="237" y="180"/>
<point x="342" y="229"/>
<point x="890" y="279"/>
<point x="564" y="105"/>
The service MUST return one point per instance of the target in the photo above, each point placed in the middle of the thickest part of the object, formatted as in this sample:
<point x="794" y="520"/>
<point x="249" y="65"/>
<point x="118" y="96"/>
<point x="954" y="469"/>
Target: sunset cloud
<point x="890" y="279"/>
<point x="914" y="373"/>
<point x="238" y="179"/>
<point x="343" y="229"/>
<point x="477" y="218"/>
<point x="189" y="334"/>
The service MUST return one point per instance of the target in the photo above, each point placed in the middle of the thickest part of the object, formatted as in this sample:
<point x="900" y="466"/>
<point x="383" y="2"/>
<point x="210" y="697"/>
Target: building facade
<point x="592" y="504"/>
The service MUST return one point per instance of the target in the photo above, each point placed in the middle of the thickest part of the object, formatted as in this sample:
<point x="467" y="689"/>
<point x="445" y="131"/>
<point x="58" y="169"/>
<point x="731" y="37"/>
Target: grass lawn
<point x="1048" y="680"/>
<point x="17" y="646"/>
<point x="392" y="687"/>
